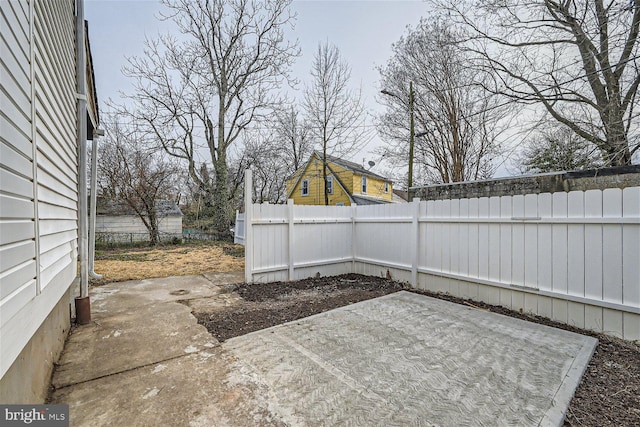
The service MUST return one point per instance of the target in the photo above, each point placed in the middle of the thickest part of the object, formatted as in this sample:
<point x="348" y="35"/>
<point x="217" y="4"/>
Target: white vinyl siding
<point x="38" y="202"/>
<point x="56" y="138"/>
<point x="131" y="227"/>
<point x="17" y="237"/>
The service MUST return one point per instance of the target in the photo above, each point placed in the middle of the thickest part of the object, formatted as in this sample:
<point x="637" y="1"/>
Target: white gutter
<point x="92" y="204"/>
<point x="81" y="86"/>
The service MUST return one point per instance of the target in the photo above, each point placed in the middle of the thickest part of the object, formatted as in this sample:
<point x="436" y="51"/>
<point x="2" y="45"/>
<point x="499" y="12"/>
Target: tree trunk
<point x="617" y="149"/>
<point x="324" y="179"/>
<point x="221" y="197"/>
<point x="154" y="233"/>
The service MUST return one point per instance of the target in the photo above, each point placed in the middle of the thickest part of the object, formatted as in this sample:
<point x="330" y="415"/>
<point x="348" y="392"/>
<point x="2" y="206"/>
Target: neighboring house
<point x="42" y="101"/>
<point x="118" y="222"/>
<point x="348" y="183"/>
<point x="401" y="195"/>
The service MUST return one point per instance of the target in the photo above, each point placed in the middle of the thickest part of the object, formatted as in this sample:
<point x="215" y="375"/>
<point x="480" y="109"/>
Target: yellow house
<point x="347" y="183"/>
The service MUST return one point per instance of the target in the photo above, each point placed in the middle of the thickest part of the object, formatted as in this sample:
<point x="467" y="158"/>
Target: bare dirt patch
<point x="117" y="265"/>
<point x="263" y="305"/>
<point x="608" y="395"/>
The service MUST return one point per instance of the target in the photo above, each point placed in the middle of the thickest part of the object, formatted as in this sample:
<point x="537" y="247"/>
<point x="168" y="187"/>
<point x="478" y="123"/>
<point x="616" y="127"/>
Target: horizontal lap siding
<point x="17" y="232"/>
<point x="56" y="139"/>
<point x="37" y="124"/>
<point x="133" y="224"/>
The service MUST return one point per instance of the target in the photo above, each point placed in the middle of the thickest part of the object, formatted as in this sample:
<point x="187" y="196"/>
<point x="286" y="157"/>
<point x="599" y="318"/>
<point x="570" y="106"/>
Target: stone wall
<point x="618" y="177"/>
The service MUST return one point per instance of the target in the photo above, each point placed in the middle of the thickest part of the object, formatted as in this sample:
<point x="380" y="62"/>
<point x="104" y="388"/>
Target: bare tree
<point x="558" y="149"/>
<point x="277" y="152"/>
<point x="335" y="112"/>
<point x="294" y="135"/>
<point x="268" y="162"/>
<point x="457" y="121"/>
<point x="197" y="95"/>
<point x="135" y="177"/>
<point x="579" y="59"/>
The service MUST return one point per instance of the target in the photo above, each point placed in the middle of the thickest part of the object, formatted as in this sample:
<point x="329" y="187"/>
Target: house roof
<point x="401" y="194"/>
<point x="361" y="199"/>
<point x="163" y="207"/>
<point x="354" y="167"/>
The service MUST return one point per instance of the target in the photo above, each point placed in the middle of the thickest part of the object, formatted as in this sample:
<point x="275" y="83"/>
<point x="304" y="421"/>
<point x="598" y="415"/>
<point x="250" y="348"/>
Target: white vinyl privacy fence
<point x="573" y="257"/>
<point x="238" y="229"/>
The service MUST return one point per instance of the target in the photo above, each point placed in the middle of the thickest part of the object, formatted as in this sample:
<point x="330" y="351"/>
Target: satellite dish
<point x="371" y="163"/>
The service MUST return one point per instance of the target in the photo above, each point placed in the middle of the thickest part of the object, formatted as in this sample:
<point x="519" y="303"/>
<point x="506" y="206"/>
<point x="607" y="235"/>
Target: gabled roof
<point x="353" y="167"/>
<point x="350" y="166"/>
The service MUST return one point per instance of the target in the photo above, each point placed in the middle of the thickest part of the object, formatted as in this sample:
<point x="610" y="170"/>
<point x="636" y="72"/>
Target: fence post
<point x="248" y="232"/>
<point x="415" y="211"/>
<point x="354" y="213"/>
<point x="291" y="240"/>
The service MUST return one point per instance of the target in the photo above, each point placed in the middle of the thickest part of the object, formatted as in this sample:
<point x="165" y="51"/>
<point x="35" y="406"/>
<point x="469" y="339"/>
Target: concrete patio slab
<point x="407" y="359"/>
<point x="149" y="334"/>
<point x="124" y="297"/>
<point x="197" y="390"/>
<point x="403" y="359"/>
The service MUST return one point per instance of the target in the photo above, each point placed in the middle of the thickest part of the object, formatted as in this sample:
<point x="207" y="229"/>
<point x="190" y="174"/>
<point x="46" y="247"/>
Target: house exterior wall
<point x="344" y="175"/>
<point x="313" y="173"/>
<point x="131" y="227"/>
<point x="375" y="187"/>
<point x="38" y="177"/>
<point x="345" y="182"/>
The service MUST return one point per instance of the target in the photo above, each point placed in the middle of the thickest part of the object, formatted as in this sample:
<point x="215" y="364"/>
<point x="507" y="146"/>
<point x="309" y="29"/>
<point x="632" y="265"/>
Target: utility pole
<point x="411" y="140"/>
<point x="412" y="134"/>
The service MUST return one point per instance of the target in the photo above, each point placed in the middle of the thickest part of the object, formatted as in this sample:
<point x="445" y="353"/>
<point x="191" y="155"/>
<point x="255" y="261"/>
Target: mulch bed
<point x="608" y="395"/>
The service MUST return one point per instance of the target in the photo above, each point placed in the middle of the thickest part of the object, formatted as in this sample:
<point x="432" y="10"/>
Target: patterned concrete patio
<point x="406" y="359"/>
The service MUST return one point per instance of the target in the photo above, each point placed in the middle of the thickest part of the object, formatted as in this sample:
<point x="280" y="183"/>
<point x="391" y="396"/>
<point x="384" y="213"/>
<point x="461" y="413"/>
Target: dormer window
<point x="364" y="184"/>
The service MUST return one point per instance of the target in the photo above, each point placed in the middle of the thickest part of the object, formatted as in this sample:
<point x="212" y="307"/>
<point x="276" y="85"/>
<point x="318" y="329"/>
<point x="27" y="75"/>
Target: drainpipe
<point x="92" y="205"/>
<point x="83" y="306"/>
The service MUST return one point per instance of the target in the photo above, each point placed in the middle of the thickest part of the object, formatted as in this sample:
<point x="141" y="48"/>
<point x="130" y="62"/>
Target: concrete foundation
<point x="27" y="380"/>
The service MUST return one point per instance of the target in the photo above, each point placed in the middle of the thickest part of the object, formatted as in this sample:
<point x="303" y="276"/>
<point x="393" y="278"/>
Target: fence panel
<point x="631" y="247"/>
<point x="545" y="244"/>
<point x="573" y="257"/>
<point x="384" y="235"/>
<point x="270" y="248"/>
<point x="238" y="229"/>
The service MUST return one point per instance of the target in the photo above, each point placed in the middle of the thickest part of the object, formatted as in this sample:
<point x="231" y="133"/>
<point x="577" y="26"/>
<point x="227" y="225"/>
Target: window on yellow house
<point x="364" y="184"/>
<point x="330" y="184"/>
<point x="305" y="187"/>
<point x="386" y="187"/>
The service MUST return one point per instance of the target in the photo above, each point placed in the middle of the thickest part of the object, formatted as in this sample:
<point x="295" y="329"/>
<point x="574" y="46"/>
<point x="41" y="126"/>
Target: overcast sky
<point x="363" y="31"/>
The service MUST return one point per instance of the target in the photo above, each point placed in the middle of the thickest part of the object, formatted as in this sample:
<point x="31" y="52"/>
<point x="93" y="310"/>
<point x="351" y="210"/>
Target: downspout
<point x="83" y="307"/>
<point x="92" y="204"/>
